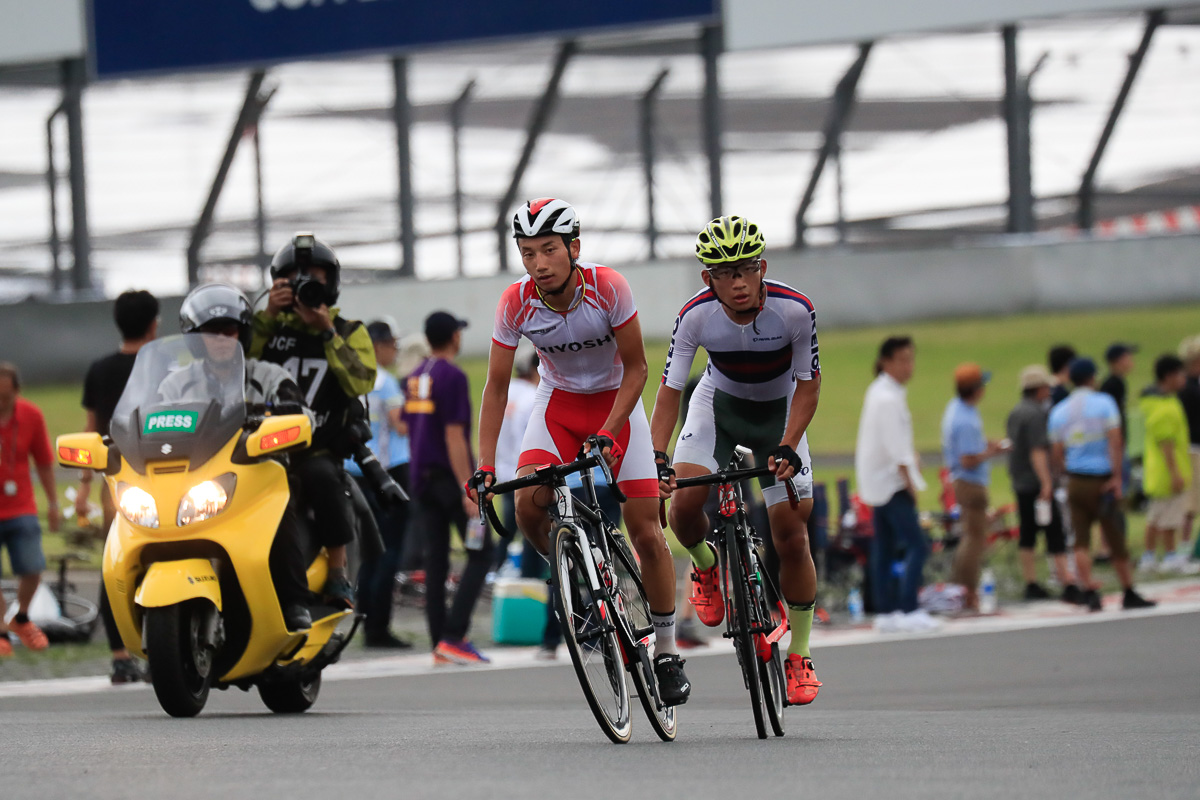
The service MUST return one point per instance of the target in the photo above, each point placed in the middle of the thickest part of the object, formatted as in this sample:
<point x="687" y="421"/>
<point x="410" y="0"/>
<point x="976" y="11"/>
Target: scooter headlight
<point x="137" y="505"/>
<point x="205" y="500"/>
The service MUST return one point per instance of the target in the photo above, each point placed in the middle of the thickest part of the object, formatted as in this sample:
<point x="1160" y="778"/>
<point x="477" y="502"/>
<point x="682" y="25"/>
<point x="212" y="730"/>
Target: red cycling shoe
<point x="802" y="683"/>
<point x="706" y="596"/>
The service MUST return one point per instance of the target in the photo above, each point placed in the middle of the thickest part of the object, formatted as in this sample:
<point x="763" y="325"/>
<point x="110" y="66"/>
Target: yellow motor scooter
<point x="200" y="490"/>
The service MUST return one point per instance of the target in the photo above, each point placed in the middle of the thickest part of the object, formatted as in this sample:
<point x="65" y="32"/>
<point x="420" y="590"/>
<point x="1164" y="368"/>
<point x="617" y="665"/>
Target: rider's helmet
<point x="545" y="217"/>
<point x="729" y="239"/>
<point x="216" y="301"/>
<point x="306" y="250"/>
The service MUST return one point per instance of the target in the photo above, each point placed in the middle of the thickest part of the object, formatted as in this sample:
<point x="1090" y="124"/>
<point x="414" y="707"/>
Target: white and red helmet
<point x="544" y="217"/>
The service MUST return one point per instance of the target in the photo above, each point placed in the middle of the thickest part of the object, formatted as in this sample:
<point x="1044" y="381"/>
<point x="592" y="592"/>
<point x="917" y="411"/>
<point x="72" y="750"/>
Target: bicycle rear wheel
<point x="590" y="638"/>
<point x="741" y="619"/>
<point x="636" y="609"/>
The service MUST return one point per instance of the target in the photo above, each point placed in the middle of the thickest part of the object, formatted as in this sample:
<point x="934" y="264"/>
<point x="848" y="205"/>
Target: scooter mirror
<point x="82" y="451"/>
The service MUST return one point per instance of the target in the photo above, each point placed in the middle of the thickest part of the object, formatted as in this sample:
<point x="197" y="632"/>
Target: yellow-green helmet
<point x="729" y="239"/>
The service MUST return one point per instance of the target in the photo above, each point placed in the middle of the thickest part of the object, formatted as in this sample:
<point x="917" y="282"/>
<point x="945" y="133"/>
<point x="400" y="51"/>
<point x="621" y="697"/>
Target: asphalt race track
<point x="1103" y="710"/>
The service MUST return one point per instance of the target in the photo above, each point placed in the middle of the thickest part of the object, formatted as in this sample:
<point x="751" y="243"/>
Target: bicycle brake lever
<point x="662" y="513"/>
<point x="793" y="500"/>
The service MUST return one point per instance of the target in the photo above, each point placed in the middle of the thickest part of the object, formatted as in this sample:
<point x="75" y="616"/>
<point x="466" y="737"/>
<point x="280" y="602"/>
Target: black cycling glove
<point x="663" y="462"/>
<point x="785" y="452"/>
<point x="479" y="480"/>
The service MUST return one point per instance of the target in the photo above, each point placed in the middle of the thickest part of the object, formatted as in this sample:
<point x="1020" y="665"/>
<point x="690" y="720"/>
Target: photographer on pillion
<point x="333" y="362"/>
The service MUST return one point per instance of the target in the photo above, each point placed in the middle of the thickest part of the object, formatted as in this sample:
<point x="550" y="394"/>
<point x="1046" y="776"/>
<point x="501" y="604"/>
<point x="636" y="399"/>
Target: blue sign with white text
<point x="145" y="36"/>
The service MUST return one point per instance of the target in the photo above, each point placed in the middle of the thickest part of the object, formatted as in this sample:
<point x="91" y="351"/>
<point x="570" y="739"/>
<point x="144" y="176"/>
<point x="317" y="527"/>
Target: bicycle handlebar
<point x="550" y="475"/>
<point x="733" y="476"/>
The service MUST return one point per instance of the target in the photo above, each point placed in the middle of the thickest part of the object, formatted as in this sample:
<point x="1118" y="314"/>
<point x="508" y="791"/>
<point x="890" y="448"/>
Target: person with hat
<point x="333" y="361"/>
<point x="1086" y="444"/>
<point x="437" y="408"/>
<point x="389" y="443"/>
<point x="1029" y="469"/>
<point x="1119" y="357"/>
<point x="965" y="453"/>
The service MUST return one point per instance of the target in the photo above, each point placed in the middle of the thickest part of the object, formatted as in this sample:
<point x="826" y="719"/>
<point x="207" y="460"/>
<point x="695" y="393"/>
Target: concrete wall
<point x="52" y="342"/>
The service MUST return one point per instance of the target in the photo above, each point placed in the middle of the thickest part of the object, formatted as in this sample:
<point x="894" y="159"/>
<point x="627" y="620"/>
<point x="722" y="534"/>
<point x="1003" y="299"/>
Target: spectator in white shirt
<point x="888" y="479"/>
<point x="521" y="393"/>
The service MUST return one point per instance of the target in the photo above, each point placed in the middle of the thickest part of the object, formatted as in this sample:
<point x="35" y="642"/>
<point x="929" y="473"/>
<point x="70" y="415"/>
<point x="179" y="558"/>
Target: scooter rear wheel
<point x="180" y="660"/>
<point x="291" y="695"/>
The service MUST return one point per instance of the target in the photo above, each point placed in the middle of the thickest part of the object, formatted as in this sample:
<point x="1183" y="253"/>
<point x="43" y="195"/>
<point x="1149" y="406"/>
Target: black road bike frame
<point x="610" y="576"/>
<point x="752" y="597"/>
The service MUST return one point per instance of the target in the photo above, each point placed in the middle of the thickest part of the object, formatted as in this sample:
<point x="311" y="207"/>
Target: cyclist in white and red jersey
<point x="759" y="390"/>
<point x="582" y="319"/>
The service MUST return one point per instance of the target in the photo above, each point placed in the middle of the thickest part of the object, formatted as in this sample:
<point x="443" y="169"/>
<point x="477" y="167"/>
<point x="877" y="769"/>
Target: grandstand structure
<point x="688" y="143"/>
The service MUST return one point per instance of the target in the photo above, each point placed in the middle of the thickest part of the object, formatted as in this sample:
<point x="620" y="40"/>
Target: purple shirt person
<point x="438" y="400"/>
<point x="438" y="411"/>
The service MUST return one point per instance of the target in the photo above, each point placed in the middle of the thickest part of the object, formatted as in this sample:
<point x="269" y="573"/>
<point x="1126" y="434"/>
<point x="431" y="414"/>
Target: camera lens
<point x="309" y="292"/>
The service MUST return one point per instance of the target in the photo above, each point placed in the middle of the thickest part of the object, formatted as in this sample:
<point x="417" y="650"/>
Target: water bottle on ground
<point x="854" y="604"/>
<point x="987" y="592"/>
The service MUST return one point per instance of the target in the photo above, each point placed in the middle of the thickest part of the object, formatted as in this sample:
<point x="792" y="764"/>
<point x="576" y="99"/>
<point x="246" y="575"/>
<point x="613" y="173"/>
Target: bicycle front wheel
<point x="636" y="609"/>
<point x="590" y="638"/>
<point x="741" y="618"/>
<point x="774" y="681"/>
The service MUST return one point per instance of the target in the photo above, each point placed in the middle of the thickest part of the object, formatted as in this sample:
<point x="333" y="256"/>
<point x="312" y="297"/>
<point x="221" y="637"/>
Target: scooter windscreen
<point x="185" y="398"/>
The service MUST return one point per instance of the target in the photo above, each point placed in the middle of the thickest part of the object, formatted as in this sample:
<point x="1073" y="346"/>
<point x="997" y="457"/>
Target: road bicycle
<point x="603" y="610"/>
<point x="755" y="616"/>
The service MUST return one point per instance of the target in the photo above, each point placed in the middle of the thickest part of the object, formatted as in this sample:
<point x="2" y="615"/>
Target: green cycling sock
<point x="702" y="555"/>
<point x="800" y="619"/>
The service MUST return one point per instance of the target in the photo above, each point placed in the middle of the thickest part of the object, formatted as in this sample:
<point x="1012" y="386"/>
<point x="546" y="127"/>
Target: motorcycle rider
<point x="225" y="313"/>
<point x="333" y="361"/>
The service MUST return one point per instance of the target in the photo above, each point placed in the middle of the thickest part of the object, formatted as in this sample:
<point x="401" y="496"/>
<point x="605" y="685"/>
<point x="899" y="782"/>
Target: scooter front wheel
<point x="181" y="659"/>
<point x="292" y="695"/>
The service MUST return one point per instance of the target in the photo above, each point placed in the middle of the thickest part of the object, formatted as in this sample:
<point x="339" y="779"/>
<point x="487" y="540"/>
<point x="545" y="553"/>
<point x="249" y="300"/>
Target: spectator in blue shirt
<point x="389" y="443"/>
<point x="1086" y="444"/>
<point x="965" y="452"/>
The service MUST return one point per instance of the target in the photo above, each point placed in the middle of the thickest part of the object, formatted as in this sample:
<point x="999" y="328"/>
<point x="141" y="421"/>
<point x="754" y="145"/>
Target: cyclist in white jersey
<point x="759" y="390"/>
<point x="582" y="319"/>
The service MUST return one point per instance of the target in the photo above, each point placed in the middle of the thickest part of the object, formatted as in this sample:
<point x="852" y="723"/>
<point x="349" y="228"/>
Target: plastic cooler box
<point x="519" y="610"/>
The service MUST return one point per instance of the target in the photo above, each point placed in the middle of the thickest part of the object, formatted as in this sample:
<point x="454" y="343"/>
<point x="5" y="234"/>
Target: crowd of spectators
<point x="1069" y="462"/>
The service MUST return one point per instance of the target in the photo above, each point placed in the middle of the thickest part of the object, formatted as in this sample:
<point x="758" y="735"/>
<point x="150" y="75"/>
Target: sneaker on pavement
<point x="125" y="670"/>
<point x="673" y="685"/>
<point x="1133" y="600"/>
<point x="459" y="651"/>
<point x="385" y="640"/>
<point x="706" y="596"/>
<point x="30" y="635"/>
<point x="1092" y="599"/>
<point x="1148" y="563"/>
<point x="920" y="621"/>
<point x="1034" y="591"/>
<point x="889" y="623"/>
<point x="687" y="636"/>
<point x="1071" y="594"/>
<point x="802" y="683"/>
<point x="546" y="653"/>
<point x="5" y="646"/>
